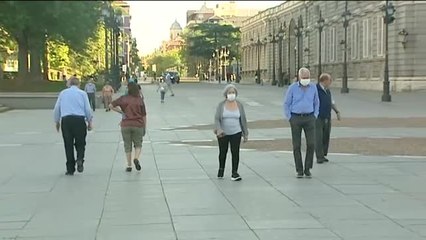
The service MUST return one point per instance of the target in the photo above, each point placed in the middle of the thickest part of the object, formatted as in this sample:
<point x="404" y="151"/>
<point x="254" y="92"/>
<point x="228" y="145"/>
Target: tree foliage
<point x="165" y="61"/>
<point x="29" y="22"/>
<point x="203" y="39"/>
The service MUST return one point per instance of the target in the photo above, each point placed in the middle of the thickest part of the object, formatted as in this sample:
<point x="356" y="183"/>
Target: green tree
<point x="202" y="40"/>
<point x="7" y="46"/>
<point x="136" y="61"/>
<point x="31" y="24"/>
<point x="165" y="61"/>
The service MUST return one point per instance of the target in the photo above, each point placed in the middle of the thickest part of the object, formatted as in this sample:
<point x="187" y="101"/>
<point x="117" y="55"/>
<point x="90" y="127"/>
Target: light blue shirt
<point x="301" y="100"/>
<point x="90" y="88"/>
<point x="72" y="102"/>
<point x="231" y="121"/>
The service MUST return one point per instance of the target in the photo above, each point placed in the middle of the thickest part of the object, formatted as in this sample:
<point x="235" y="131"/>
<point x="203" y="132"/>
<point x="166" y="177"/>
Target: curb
<point x="4" y="109"/>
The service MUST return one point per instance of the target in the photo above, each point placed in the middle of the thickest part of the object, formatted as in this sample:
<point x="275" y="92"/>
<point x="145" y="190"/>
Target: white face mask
<point x="305" y="82"/>
<point x="231" y="97"/>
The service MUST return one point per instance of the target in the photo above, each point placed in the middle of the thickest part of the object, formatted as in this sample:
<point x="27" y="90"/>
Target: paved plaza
<point x="361" y="194"/>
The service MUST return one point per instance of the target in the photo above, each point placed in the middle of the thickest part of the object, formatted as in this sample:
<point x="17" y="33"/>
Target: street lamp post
<point x="345" y="15"/>
<point x="299" y="33"/>
<point x="237" y="45"/>
<point x="106" y="15"/>
<point x="273" y="41"/>
<point x="389" y="11"/>
<point x="281" y="33"/>
<point x="257" y="44"/>
<point x="320" y="23"/>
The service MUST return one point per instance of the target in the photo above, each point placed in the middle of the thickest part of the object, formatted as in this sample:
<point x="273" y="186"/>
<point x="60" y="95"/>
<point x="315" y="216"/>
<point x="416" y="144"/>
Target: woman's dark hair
<point x="133" y="89"/>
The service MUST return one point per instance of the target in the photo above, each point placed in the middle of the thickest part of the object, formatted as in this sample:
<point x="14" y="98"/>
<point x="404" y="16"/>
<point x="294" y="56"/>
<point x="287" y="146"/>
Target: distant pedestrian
<point x="90" y="89"/>
<point x="301" y="107"/>
<point x="169" y="83"/>
<point x="107" y="92"/>
<point x="71" y="112"/>
<point x="162" y="87"/>
<point x="230" y="127"/>
<point x="133" y="123"/>
<point x="323" y="122"/>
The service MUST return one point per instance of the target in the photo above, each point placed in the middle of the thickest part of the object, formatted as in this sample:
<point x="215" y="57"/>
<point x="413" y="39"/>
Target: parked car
<point x="174" y="76"/>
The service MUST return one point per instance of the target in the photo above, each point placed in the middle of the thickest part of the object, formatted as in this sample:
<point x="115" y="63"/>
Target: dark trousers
<point x="74" y="131"/>
<point x="224" y="142"/>
<point x="163" y="93"/>
<point x="92" y="100"/>
<point x="307" y="124"/>
<point x="322" y="133"/>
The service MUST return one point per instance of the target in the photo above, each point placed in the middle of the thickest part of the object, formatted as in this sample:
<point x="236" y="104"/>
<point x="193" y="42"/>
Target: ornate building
<point x="175" y="41"/>
<point x="312" y="34"/>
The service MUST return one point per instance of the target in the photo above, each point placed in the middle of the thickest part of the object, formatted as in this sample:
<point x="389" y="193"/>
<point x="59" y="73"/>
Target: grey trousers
<point x="322" y="133"/>
<point x="307" y="124"/>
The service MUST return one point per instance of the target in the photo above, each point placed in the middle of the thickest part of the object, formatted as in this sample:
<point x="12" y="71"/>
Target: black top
<point x="325" y="102"/>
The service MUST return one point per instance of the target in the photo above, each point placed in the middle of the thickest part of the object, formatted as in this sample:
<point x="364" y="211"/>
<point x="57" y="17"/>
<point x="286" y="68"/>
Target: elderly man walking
<point x="72" y="110"/>
<point x="301" y="107"/>
<point x="169" y="83"/>
<point x="323" y="122"/>
<point x="90" y="89"/>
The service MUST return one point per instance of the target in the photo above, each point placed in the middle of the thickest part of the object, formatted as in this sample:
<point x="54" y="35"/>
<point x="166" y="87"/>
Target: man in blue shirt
<point x="72" y="110"/>
<point x="301" y="108"/>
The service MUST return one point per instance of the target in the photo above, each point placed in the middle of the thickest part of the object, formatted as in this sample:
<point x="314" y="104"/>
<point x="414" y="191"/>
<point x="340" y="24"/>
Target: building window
<point x="332" y="42"/>
<point x="354" y="40"/>
<point x="380" y="35"/>
<point x="366" y="38"/>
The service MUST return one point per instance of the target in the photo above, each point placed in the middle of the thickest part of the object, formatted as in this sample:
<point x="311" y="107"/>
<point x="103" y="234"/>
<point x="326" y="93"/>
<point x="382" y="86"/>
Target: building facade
<point x="175" y="41"/>
<point x="292" y="34"/>
<point x="224" y="12"/>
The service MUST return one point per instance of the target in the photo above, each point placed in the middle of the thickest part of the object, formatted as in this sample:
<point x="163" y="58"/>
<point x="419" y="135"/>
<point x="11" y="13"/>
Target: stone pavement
<point x="177" y="195"/>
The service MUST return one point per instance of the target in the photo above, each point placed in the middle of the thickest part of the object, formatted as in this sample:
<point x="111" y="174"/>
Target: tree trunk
<point x="22" y="56"/>
<point x="1" y="71"/>
<point x="45" y="59"/>
<point x="35" y="58"/>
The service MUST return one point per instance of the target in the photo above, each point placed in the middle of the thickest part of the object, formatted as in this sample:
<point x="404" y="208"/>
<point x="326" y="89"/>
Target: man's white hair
<point x="304" y="73"/>
<point x="74" y="81"/>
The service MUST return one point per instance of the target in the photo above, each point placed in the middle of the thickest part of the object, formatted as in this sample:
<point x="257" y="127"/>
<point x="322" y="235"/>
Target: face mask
<point x="231" y="97"/>
<point x="305" y="82"/>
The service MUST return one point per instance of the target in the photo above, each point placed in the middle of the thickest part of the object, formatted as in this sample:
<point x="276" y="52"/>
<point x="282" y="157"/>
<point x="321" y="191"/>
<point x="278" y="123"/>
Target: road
<point x="362" y="195"/>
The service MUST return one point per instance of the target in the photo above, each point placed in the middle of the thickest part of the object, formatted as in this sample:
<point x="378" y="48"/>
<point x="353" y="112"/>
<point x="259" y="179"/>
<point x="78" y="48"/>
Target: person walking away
<point x="162" y="87"/>
<point x="169" y="83"/>
<point x="323" y="122"/>
<point x="107" y="92"/>
<point x="230" y="126"/>
<point x="72" y="111"/>
<point x="301" y="107"/>
<point x="90" y="89"/>
<point x="133" y="123"/>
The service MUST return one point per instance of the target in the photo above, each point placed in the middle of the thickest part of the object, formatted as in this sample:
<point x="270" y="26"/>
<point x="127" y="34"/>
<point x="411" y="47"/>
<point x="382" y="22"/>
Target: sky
<point x="151" y="20"/>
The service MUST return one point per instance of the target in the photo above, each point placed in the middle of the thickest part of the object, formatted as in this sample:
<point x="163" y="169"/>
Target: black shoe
<point x="236" y="177"/>
<point x="220" y="173"/>
<point x="172" y="95"/>
<point x="128" y="169"/>
<point x="325" y="160"/>
<point x="320" y="161"/>
<point x="308" y="173"/>
<point x="80" y="167"/>
<point x="69" y="173"/>
<point x="137" y="165"/>
<point x="299" y="175"/>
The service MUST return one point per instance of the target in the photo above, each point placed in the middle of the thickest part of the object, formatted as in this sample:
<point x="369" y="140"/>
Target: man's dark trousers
<point x="74" y="131"/>
<point x="92" y="100"/>
<point x="306" y="123"/>
<point x="322" y="133"/>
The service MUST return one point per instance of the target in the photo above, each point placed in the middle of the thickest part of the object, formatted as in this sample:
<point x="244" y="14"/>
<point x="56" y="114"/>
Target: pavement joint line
<point x="224" y="195"/>
<point x="10" y="144"/>
<point x="195" y="140"/>
<point x="408" y="156"/>
<point x="27" y="133"/>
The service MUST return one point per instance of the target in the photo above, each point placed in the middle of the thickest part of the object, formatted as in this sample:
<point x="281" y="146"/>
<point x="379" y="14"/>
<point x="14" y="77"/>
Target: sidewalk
<point x="177" y="196"/>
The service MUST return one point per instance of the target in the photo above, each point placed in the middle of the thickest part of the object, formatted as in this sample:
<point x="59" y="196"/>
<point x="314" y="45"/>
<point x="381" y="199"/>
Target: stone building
<point x="175" y="41"/>
<point x="300" y="43"/>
